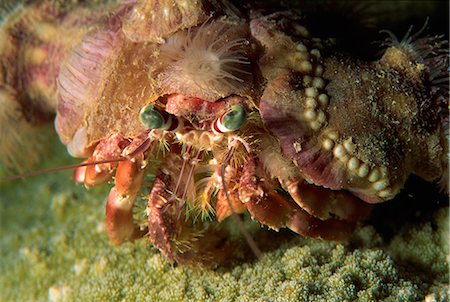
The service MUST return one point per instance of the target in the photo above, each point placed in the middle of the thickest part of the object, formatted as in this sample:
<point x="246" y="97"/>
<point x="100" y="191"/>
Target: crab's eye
<point x="232" y="120"/>
<point x="151" y="117"/>
<point x="154" y="118"/>
<point x="235" y="118"/>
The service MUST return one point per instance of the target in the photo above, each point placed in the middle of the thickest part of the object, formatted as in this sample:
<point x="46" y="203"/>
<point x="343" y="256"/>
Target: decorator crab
<point x="228" y="112"/>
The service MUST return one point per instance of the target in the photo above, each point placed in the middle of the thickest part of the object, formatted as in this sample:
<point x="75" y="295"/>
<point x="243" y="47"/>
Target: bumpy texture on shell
<point x="348" y="124"/>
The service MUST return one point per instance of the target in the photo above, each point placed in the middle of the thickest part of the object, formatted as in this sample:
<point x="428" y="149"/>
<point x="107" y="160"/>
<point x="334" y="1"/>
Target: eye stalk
<point x="153" y="117"/>
<point x="232" y="120"/>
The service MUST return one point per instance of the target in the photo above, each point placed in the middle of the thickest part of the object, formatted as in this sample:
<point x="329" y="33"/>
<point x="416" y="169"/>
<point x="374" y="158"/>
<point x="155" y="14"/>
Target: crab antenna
<point x="51" y="170"/>
<point x="250" y="241"/>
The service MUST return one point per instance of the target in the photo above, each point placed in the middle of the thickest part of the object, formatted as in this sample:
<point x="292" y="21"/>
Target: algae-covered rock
<point x="54" y="248"/>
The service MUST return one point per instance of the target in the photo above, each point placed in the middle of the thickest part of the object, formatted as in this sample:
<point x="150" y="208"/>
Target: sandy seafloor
<point x="54" y="247"/>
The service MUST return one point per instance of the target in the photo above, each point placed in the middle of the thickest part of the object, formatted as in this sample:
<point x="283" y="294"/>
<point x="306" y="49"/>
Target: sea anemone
<point x="430" y="54"/>
<point x="210" y="62"/>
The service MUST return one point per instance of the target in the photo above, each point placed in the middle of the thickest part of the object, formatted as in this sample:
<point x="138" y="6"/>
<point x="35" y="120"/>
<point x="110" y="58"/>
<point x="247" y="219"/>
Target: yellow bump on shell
<point x="349" y="145"/>
<point x="315" y="125"/>
<point x="319" y="83"/>
<point x="353" y="164"/>
<point x="301" y="31"/>
<point x="315" y="53"/>
<point x="301" y="47"/>
<point x="385" y="193"/>
<point x="305" y="67"/>
<point x="301" y="56"/>
<point x="321" y="117"/>
<point x="333" y="134"/>
<point x="318" y="71"/>
<point x="339" y="151"/>
<point x="363" y="170"/>
<point x="381" y="184"/>
<point x="311" y="103"/>
<point x="45" y="32"/>
<point x="310" y="114"/>
<point x="328" y="144"/>
<point x="35" y="55"/>
<point x="374" y="175"/>
<point x="311" y="92"/>
<point x="324" y="99"/>
<point x="307" y="80"/>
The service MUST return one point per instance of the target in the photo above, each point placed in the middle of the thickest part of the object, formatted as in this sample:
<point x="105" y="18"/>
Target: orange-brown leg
<point x="230" y="203"/>
<point x="276" y="211"/>
<point x="108" y="149"/>
<point x="180" y="240"/>
<point x="119" y="208"/>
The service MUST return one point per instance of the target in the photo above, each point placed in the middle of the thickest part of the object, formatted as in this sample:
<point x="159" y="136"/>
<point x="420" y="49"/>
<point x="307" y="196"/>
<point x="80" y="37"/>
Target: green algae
<point x="54" y="247"/>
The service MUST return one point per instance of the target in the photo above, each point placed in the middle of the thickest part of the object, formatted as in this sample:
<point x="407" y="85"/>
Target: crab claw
<point x="324" y="203"/>
<point x="272" y="209"/>
<point x="227" y="204"/>
<point x="119" y="208"/>
<point x="226" y="207"/>
<point x="108" y="149"/>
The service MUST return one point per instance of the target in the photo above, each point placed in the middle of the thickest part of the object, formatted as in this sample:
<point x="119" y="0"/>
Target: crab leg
<point x="108" y="149"/>
<point x="119" y="208"/>
<point x="275" y="211"/>
<point x="162" y="225"/>
<point x="178" y="239"/>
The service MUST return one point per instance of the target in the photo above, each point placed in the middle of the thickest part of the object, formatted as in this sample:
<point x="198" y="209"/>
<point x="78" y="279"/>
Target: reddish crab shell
<point x="231" y="114"/>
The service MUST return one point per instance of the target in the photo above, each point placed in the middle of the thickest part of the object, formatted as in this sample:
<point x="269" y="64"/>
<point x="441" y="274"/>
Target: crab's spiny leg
<point x="250" y="241"/>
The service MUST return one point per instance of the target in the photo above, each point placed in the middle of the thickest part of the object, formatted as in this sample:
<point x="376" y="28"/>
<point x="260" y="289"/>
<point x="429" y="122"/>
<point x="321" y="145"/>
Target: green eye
<point x="151" y="117"/>
<point x="235" y="118"/>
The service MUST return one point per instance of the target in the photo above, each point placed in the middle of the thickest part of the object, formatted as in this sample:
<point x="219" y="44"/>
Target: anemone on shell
<point x="209" y="62"/>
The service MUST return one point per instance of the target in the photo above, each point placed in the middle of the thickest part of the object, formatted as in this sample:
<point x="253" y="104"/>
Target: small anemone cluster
<point x="430" y="53"/>
<point x="209" y="62"/>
